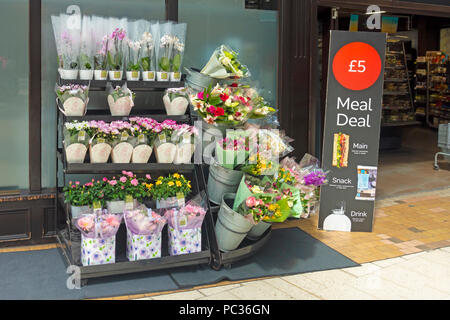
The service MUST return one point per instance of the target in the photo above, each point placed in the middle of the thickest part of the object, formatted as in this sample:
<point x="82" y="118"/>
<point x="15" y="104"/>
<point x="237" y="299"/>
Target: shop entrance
<point x="416" y="97"/>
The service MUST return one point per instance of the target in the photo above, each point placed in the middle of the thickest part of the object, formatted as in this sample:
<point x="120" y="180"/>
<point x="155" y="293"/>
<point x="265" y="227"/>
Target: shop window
<point x="131" y="9"/>
<point x="14" y="95"/>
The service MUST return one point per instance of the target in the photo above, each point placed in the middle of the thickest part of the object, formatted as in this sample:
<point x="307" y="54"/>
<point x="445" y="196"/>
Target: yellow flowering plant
<point x="169" y="186"/>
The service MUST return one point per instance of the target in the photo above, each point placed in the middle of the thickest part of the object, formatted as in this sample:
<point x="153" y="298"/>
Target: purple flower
<point x="315" y="178"/>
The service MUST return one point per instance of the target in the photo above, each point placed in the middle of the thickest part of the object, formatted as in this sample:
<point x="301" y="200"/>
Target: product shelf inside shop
<point x="140" y="85"/>
<point x="400" y="123"/>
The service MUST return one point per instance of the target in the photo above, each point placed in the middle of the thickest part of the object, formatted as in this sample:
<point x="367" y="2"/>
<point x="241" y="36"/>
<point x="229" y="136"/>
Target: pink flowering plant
<point x="100" y="131"/>
<point x="145" y="126"/>
<point x="72" y="90"/>
<point x="78" y="194"/>
<point x="126" y="184"/>
<point x="115" y="54"/>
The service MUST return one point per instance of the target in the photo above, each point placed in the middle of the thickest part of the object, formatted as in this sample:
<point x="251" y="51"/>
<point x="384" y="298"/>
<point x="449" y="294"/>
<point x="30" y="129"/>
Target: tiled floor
<point x="424" y="275"/>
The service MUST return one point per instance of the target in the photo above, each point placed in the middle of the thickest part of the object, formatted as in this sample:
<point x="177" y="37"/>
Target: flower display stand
<point x="69" y="238"/>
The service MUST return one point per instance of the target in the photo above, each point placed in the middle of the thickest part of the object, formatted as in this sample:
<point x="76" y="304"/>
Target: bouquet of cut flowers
<point x="176" y="101"/>
<point x="224" y="64"/>
<point x="265" y="207"/>
<point x="218" y="105"/>
<point x="76" y="140"/>
<point x="120" y="100"/>
<point x="100" y="226"/>
<point x="74" y="98"/>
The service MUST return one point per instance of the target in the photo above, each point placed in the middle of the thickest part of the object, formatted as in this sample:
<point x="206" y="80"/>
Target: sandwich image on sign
<point x="340" y="150"/>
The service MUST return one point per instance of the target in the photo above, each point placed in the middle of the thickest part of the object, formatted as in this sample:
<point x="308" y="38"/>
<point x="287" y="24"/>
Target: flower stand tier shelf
<point x="69" y="237"/>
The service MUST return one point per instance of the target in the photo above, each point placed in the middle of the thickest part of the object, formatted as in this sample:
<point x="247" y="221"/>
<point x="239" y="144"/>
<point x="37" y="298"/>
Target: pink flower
<point x="260" y="202"/>
<point x="148" y="176"/>
<point x="112" y="182"/>
<point x="130" y="174"/>
<point x="134" y="182"/>
<point x="105" y="179"/>
<point x="250" y="202"/>
<point x="122" y="187"/>
<point x="112" y="221"/>
<point x="77" y="182"/>
<point x="123" y="179"/>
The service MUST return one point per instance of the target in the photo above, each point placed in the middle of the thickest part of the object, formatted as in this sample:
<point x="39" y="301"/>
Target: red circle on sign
<point x="356" y="66"/>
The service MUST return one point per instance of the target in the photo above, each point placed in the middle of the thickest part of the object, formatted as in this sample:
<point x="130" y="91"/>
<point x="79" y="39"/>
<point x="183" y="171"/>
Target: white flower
<point x="178" y="45"/>
<point x="230" y="117"/>
<point x="147" y="37"/>
<point x="228" y="102"/>
<point x="225" y="60"/>
<point x="165" y="40"/>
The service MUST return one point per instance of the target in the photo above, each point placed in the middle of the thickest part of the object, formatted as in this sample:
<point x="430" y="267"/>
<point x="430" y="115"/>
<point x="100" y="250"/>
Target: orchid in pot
<point x="147" y="57"/>
<point x="100" y="142"/>
<point x="123" y="141"/>
<point x="133" y="60"/>
<point x="178" y="39"/>
<point x="170" y="191"/>
<point x="76" y="141"/>
<point x="74" y="99"/>
<point x="115" y="54"/>
<point x="143" y="129"/>
<point x="164" y="52"/>
<point x="120" y="100"/>
<point x="86" y="50"/>
<point x="100" y="44"/>
<point x="176" y="101"/>
<point x="164" y="144"/>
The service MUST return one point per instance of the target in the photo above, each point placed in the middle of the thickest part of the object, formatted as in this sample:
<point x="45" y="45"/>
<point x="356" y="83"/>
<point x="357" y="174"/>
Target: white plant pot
<point x="115" y="75"/>
<point x="74" y="107"/>
<point x="175" y="76"/>
<point x="122" y="152"/>
<point x="148" y="75"/>
<point x="162" y="76"/>
<point x="68" y="74"/>
<point x="99" y="153"/>
<point x="115" y="206"/>
<point x="176" y="107"/>
<point x="75" y="153"/>
<point x="120" y="107"/>
<point x="133" y="75"/>
<point x="86" y="74"/>
<point x="165" y="152"/>
<point x="100" y="74"/>
<point x="184" y="153"/>
<point x="141" y="153"/>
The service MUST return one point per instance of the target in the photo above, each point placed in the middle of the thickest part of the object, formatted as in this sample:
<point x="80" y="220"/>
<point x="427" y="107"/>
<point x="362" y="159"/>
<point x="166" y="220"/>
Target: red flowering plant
<point x="220" y="105"/>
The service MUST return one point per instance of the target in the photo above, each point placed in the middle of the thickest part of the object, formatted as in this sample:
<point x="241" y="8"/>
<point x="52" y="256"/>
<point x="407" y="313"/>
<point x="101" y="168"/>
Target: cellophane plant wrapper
<point x="224" y="64"/>
<point x="185" y="225"/>
<point x="147" y="55"/>
<point x="144" y="228"/>
<point x="117" y="29"/>
<point x="87" y="44"/>
<point x="67" y="38"/>
<point x="178" y="38"/>
<point x="137" y="38"/>
<point x="165" y="47"/>
<point x="100" y="42"/>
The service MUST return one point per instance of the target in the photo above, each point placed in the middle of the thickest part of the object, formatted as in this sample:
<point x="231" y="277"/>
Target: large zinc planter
<point x="222" y="180"/>
<point x="258" y="230"/>
<point x="231" y="227"/>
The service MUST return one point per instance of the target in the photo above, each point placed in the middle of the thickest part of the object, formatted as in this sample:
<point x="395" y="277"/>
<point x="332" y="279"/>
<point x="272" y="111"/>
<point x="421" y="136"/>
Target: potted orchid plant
<point x="86" y="50"/>
<point x="133" y="60"/>
<point x="164" y="53"/>
<point x="115" y="54"/>
<point x="100" y="44"/>
<point x="147" y="57"/>
<point x="178" y="39"/>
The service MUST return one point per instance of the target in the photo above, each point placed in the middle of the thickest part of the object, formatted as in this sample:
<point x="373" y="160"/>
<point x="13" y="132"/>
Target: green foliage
<point x="176" y="63"/>
<point x="85" y="62"/>
<point x="170" y="186"/>
<point x="145" y="62"/>
<point x="164" y="64"/>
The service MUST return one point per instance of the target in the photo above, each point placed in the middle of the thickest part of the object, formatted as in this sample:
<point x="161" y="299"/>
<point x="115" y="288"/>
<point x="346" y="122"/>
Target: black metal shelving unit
<point x="69" y="237"/>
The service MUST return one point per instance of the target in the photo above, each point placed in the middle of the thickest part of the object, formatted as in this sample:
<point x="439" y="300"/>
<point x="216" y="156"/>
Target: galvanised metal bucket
<point x="198" y="81"/>
<point x="221" y="181"/>
<point x="257" y="230"/>
<point x="231" y="227"/>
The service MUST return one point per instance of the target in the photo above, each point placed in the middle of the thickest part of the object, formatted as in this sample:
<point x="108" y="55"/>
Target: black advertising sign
<point x="352" y="130"/>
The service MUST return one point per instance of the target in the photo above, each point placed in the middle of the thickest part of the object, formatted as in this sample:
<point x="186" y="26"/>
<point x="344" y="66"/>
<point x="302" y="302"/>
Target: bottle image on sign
<point x="340" y="150"/>
<point x="367" y="183"/>
<point x="357" y="66"/>
<point x="337" y="220"/>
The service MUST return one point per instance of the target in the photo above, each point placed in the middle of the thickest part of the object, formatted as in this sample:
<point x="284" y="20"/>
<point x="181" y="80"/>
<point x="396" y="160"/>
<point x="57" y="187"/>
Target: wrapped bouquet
<point x="74" y="99"/>
<point x="224" y="64"/>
